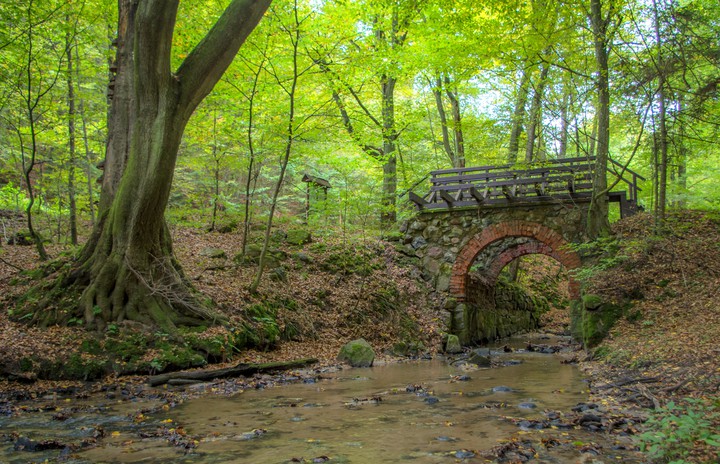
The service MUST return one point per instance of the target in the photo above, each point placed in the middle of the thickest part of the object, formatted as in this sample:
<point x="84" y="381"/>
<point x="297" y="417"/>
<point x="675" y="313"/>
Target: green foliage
<point x="603" y="253"/>
<point x="674" y="431"/>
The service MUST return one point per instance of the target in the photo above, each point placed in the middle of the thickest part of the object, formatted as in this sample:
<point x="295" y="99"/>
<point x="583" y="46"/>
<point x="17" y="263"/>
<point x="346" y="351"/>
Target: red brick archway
<point x="546" y="242"/>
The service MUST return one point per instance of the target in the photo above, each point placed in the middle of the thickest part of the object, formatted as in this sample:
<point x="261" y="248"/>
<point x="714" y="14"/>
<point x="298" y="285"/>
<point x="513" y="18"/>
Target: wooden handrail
<point x="554" y="179"/>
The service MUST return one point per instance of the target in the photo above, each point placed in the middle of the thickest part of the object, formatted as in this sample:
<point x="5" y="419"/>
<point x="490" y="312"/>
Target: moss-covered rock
<point x="349" y="261"/>
<point x="273" y="256"/>
<point x="298" y="237"/>
<point x="452" y="344"/>
<point x="591" y="302"/>
<point x="590" y="326"/>
<point x="213" y="253"/>
<point x="357" y="353"/>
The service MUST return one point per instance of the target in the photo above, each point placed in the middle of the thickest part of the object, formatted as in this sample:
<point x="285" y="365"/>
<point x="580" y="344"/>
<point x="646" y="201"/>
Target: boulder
<point x="298" y="237"/>
<point x="273" y="257"/>
<point x="452" y="345"/>
<point x="213" y="253"/>
<point x="480" y="361"/>
<point x="278" y="274"/>
<point x="357" y="353"/>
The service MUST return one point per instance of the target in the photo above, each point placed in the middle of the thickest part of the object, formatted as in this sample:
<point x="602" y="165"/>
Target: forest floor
<point x="663" y="351"/>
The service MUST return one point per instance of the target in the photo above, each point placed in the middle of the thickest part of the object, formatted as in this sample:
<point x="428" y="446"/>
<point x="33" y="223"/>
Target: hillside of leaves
<point x="313" y="299"/>
<point x="663" y="353"/>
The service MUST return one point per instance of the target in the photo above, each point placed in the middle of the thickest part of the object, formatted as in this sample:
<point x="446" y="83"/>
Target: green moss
<point x="175" y="357"/>
<point x="349" y="261"/>
<point x="91" y="346"/>
<point x="127" y="348"/>
<point x="76" y="367"/>
<point x="591" y="302"/>
<point x="590" y="327"/>
<point x="507" y="309"/>
<point x="298" y="237"/>
<point x="26" y="364"/>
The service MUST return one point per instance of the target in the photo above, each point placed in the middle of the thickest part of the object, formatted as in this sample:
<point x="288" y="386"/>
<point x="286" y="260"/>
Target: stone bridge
<point x="480" y="219"/>
<point x="452" y="242"/>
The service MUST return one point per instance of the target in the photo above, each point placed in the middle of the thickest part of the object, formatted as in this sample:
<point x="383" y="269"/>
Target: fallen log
<point x="242" y="369"/>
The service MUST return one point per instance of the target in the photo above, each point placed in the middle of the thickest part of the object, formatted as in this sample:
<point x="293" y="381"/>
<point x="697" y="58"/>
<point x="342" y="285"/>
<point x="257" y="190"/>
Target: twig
<point x="19" y="269"/>
<point x="622" y="382"/>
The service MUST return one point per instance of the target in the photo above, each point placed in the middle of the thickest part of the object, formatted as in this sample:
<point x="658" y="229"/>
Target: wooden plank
<point x="417" y="199"/>
<point x="449" y="199"/>
<point x="509" y="191"/>
<point x="479" y="196"/>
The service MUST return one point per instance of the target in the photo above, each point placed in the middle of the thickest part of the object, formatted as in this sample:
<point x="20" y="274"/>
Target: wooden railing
<point x="568" y="179"/>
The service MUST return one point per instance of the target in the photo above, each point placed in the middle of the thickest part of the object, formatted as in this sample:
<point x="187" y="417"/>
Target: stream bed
<point x="417" y="412"/>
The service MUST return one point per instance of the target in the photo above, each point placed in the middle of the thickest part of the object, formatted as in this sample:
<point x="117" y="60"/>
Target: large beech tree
<point x="127" y="269"/>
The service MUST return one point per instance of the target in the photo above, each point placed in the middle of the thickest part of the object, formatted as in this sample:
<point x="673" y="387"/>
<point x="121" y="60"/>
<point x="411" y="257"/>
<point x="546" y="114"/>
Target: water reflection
<point x="368" y="415"/>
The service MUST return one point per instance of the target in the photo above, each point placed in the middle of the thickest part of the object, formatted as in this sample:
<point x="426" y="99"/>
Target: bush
<point x="676" y="432"/>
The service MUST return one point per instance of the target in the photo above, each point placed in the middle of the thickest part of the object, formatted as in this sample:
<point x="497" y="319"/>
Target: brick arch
<point x="545" y="241"/>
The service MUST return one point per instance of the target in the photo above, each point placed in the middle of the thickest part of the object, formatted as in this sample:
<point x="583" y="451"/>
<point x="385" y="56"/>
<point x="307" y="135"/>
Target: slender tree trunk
<point x="31" y="98"/>
<point x="458" y="138"/>
<point x="518" y="117"/>
<point x="565" y="120"/>
<point x="290" y="138"/>
<point x="455" y="150"/>
<point x="598" y="222"/>
<point x="216" y="173"/>
<point x="682" y="154"/>
<point x="535" y="118"/>
<point x="437" y="93"/>
<point x="662" y="137"/>
<point x="388" y="214"/>
<point x="251" y="161"/>
<point x="71" y="141"/>
<point x="86" y="142"/>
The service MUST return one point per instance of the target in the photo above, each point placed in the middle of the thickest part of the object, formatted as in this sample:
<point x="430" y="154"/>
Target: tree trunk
<point x="457" y="125"/>
<point x="437" y="93"/>
<point x="71" y="140"/>
<point x="127" y="269"/>
<point x="455" y="150"/>
<point x="251" y="173"/>
<point x="598" y="223"/>
<point x="567" y="102"/>
<point x="388" y="214"/>
<point x="662" y="137"/>
<point x="518" y="117"/>
<point x="290" y="138"/>
<point x="535" y="118"/>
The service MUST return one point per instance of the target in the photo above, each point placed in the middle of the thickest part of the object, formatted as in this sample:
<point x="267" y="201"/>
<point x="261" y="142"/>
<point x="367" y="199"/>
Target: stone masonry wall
<point x="449" y="243"/>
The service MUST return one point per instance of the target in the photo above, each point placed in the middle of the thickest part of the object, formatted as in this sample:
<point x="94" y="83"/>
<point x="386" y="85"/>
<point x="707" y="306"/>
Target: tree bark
<point x="388" y="215"/>
<point x="71" y="140"/>
<point x="535" y="117"/>
<point x="662" y="136"/>
<point x="598" y="222"/>
<point x="518" y="117"/>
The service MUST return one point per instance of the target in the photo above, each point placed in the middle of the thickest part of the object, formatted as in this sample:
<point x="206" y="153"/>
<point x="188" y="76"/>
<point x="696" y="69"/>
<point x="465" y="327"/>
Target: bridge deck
<point x="560" y="180"/>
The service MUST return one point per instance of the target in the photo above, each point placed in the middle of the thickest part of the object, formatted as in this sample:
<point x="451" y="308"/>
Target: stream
<point x="416" y="412"/>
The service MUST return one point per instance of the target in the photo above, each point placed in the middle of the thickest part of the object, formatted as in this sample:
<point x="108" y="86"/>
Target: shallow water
<point x="351" y="416"/>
